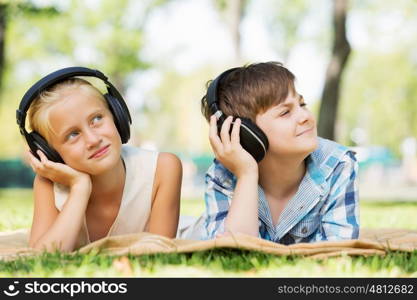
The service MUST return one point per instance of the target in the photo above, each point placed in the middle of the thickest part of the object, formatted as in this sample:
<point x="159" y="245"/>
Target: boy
<point x="302" y="189"/>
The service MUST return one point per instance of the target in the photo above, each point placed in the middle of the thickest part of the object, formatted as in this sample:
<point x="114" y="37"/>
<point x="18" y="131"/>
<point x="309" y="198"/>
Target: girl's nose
<point x="92" y="138"/>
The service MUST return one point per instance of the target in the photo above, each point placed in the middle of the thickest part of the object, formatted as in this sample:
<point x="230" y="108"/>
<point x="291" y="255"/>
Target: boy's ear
<point x="253" y="139"/>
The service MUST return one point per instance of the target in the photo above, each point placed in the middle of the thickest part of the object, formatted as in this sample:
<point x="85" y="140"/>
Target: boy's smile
<point x="289" y="126"/>
<point x="84" y="133"/>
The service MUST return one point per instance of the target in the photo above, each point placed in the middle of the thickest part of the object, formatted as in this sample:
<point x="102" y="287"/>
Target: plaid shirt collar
<point x="313" y="187"/>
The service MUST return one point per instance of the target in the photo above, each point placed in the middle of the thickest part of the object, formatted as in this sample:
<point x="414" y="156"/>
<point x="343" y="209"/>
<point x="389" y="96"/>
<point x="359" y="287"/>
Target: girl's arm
<point x="52" y="229"/>
<point x="166" y="196"/>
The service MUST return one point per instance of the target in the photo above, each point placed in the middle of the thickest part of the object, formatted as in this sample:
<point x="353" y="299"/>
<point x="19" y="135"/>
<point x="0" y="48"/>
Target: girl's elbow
<point x="51" y="247"/>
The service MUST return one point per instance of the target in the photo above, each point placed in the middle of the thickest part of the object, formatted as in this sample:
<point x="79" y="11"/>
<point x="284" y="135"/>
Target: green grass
<point x="16" y="212"/>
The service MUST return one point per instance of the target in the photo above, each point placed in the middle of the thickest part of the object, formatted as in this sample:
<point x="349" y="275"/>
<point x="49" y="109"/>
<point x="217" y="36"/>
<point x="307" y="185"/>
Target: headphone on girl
<point x="113" y="98"/>
<point x="252" y="138"/>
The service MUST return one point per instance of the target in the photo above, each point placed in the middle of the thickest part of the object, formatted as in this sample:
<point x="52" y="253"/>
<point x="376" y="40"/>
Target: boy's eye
<point x="287" y="111"/>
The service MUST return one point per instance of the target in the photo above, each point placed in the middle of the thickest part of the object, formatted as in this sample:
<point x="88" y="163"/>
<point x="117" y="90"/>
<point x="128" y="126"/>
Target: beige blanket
<point x="371" y="241"/>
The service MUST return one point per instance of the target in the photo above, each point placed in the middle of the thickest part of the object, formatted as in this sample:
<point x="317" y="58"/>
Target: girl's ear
<point x="37" y="142"/>
<point x="120" y="116"/>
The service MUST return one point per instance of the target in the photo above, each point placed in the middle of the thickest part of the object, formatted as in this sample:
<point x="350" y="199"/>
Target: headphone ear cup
<point x="37" y="142"/>
<point x="253" y="139"/>
<point x="121" y="119"/>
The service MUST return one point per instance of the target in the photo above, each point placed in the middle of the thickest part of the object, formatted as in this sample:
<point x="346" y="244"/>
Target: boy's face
<point x="290" y="127"/>
<point x="82" y="125"/>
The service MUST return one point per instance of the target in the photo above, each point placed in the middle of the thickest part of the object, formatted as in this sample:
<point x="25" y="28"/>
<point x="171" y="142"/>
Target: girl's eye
<point x="303" y="104"/>
<point x="72" y="135"/>
<point x="97" y="118"/>
<point x="284" y="113"/>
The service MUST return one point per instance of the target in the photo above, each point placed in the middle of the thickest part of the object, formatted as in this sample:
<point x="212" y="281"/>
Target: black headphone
<point x="113" y="98"/>
<point x="252" y="138"/>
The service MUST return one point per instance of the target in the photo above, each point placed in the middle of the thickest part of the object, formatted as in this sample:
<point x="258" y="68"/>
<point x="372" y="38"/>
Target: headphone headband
<point x="56" y="77"/>
<point x="212" y="92"/>
<point x="252" y="138"/>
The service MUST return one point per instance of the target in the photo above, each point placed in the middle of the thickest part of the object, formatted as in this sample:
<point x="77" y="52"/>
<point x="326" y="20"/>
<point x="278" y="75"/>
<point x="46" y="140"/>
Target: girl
<point x="103" y="188"/>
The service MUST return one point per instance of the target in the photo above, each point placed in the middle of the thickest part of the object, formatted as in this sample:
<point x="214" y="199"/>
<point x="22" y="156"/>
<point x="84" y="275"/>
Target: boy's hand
<point x="57" y="172"/>
<point x="228" y="150"/>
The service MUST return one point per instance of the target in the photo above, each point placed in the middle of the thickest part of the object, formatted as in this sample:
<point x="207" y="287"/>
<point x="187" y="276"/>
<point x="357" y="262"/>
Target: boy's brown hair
<point x="252" y="89"/>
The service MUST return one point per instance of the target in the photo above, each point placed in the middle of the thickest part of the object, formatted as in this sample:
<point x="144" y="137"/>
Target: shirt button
<point x="304" y="230"/>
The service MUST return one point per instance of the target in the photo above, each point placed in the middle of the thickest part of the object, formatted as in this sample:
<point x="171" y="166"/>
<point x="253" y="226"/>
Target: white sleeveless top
<point x="135" y="207"/>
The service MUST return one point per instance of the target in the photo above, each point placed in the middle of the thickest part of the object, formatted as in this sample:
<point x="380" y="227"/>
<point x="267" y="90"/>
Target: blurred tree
<point x="379" y="91"/>
<point x="340" y="54"/>
<point x="3" y="13"/>
<point x="283" y="20"/>
<point x="103" y="34"/>
<point x="109" y="36"/>
<point x="9" y="8"/>
<point x="233" y="11"/>
<point x="175" y="107"/>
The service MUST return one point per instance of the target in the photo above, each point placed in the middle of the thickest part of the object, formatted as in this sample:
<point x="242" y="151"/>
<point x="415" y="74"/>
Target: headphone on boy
<point x="252" y="138"/>
<point x="113" y="98"/>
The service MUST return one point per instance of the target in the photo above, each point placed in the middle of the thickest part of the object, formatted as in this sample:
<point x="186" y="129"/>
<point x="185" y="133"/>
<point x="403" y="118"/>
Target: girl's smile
<point x="84" y="133"/>
<point x="101" y="152"/>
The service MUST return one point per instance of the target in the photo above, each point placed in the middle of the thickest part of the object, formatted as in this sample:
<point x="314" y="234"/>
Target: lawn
<point x="16" y="212"/>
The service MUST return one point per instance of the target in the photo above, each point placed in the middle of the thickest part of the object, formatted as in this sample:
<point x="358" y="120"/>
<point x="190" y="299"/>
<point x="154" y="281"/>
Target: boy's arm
<point x="242" y="214"/>
<point x="227" y="210"/>
<point x="341" y="216"/>
<point x="217" y="200"/>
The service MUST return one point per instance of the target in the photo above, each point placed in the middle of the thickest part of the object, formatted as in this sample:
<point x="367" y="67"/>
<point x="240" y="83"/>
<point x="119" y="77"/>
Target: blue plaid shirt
<point x="324" y="208"/>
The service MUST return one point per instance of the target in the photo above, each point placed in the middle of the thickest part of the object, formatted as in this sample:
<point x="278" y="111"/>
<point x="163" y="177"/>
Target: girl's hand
<point x="228" y="149"/>
<point x="57" y="172"/>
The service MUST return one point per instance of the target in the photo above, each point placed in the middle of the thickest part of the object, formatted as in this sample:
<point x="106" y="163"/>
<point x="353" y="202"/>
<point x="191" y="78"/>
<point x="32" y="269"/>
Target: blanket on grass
<point x="371" y="242"/>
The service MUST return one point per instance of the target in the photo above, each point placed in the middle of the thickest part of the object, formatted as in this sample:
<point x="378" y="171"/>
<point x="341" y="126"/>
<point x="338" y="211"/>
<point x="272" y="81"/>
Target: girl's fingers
<point x="45" y="161"/>
<point x="235" y="138"/>
<point x="224" y="132"/>
<point x="33" y="160"/>
<point x="42" y="156"/>
<point x="32" y="166"/>
<point x="214" y="139"/>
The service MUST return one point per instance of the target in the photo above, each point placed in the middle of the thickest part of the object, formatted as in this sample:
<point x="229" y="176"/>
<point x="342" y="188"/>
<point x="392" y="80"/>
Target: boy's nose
<point x="303" y="116"/>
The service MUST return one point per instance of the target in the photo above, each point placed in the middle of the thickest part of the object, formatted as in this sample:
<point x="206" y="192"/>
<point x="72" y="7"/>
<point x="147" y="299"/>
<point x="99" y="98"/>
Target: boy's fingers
<point x="235" y="132"/>
<point x="224" y="132"/>
<point x="214" y="139"/>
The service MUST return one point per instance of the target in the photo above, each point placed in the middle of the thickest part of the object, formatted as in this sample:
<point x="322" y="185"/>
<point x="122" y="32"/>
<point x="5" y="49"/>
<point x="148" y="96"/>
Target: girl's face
<point x="290" y="127"/>
<point x="84" y="133"/>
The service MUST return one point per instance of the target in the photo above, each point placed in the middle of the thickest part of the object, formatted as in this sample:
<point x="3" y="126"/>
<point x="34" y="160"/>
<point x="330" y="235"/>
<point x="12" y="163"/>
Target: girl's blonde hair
<point x="41" y="106"/>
